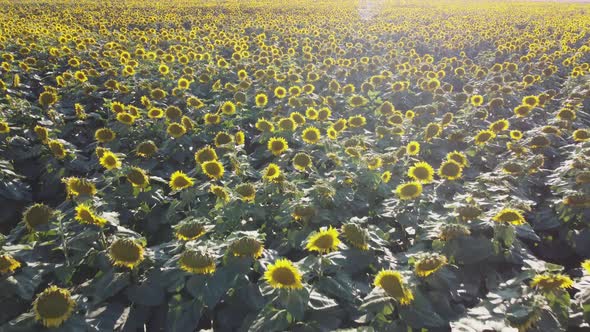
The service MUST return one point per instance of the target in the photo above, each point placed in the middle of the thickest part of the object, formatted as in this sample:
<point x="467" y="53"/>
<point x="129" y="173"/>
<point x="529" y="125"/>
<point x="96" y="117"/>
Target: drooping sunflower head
<point x="551" y="282"/>
<point x="283" y="274"/>
<point x="429" y="264"/>
<point x="190" y="230"/>
<point x="450" y="170"/>
<point x="452" y="231"/>
<point x="522" y="110"/>
<point x="356" y="236"/>
<point x="311" y="135"/>
<point x="421" y="172"/>
<point x="581" y="135"/>
<point x="125" y="252"/>
<point x="110" y="161"/>
<point x="413" y="148"/>
<point x="393" y="284"/>
<point x="483" y="136"/>
<point x="272" y="172"/>
<point x="173" y="113"/>
<point x="298" y="118"/>
<point x="205" y="154"/>
<point x="510" y="216"/>
<point x="8" y="264"/>
<point x="86" y="215"/>
<point x="146" y="149"/>
<point x="499" y="126"/>
<point x="125" y="118"/>
<point x="246" y="247"/>
<point x="264" y="125"/>
<point x="79" y="187"/>
<point x="324" y="241"/>
<point x="223" y="138"/>
<point x="138" y="177"/>
<point x="409" y="190"/>
<point x="179" y="180"/>
<point x="104" y="135"/>
<point x="37" y="215"/>
<point x="57" y="148"/>
<point x="432" y="130"/>
<point x="246" y="192"/>
<point x="53" y="306"/>
<point x="197" y="262"/>
<point x="213" y="169"/>
<point x="356" y="121"/>
<point x="277" y="145"/>
<point x="176" y="130"/>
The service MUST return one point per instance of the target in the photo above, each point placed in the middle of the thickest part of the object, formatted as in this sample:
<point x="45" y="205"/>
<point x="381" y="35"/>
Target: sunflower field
<point x="260" y="165"/>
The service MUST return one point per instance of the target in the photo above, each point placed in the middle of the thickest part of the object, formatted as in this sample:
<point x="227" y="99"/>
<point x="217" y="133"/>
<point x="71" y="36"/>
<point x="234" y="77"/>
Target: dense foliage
<point x="301" y="165"/>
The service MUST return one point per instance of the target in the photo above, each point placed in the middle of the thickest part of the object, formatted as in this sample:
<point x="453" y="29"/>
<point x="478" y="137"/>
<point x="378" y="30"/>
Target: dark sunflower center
<point x="392" y="286"/>
<point x="421" y="173"/>
<point x="324" y="242"/>
<point x="52" y="305"/>
<point x="451" y="169"/>
<point x="125" y="251"/>
<point x="409" y="190"/>
<point x="284" y="276"/>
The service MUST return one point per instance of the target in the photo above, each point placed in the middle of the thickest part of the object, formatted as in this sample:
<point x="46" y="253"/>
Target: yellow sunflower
<point x="85" y="215"/>
<point x="228" y="108"/>
<point x="4" y="128"/>
<point x="450" y="170"/>
<point x="53" y="306"/>
<point x="205" y="154"/>
<point x="138" y="177"/>
<point x="246" y="247"/>
<point x="551" y="282"/>
<point x="213" y="169"/>
<point x="196" y="262"/>
<point x="476" y="100"/>
<point x="283" y="274"/>
<point x="8" y="264"/>
<point x="511" y="216"/>
<point x="324" y="241"/>
<point x="272" y="172"/>
<point x="277" y="145"/>
<point x="126" y="252"/>
<point x="413" y="148"/>
<point x="484" y="136"/>
<point x="409" y="190"/>
<point x="261" y="100"/>
<point x="429" y="264"/>
<point x="356" y="236"/>
<point x="189" y="230"/>
<point x="421" y="172"/>
<point x="246" y="191"/>
<point x="586" y="265"/>
<point x="179" y="180"/>
<point x="176" y="130"/>
<point x="311" y="135"/>
<point x="302" y="161"/>
<point x="393" y="284"/>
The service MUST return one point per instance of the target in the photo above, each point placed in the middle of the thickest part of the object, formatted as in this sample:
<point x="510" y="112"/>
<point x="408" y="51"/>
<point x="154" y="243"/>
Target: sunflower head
<point x="246" y="191"/>
<point x="213" y="169"/>
<point x="311" y="135"/>
<point x="452" y="231"/>
<point x="586" y="266"/>
<point x="357" y="121"/>
<point x="421" y="172"/>
<point x="272" y="172"/>
<point x="179" y="180"/>
<point x="53" y="306"/>
<point x="176" y="130"/>
<point x="413" y="148"/>
<point x="261" y="100"/>
<point x="393" y="284"/>
<point x="510" y="216"/>
<point x="138" y="177"/>
<point x="476" y="100"/>
<point x="516" y="134"/>
<point x="37" y="215"/>
<point x="324" y="241"/>
<point x="222" y="138"/>
<point x="483" y="136"/>
<point x="246" y="247"/>
<point x="283" y="274"/>
<point x="126" y="252"/>
<point x="228" y="108"/>
<point x="57" y="148"/>
<point x="104" y="135"/>
<point x="356" y="236"/>
<point x="581" y="135"/>
<point x="110" y="161"/>
<point x="197" y="262"/>
<point x="450" y="170"/>
<point x="287" y="124"/>
<point x="8" y="264"/>
<point x="190" y="230"/>
<point x="499" y="126"/>
<point x="277" y="145"/>
<point x="85" y="215"/>
<point x="264" y="125"/>
<point x="79" y="187"/>
<point x="409" y="190"/>
<point x="146" y="149"/>
<point x="551" y="282"/>
<point x="302" y="161"/>
<point x="429" y="264"/>
<point x="432" y="130"/>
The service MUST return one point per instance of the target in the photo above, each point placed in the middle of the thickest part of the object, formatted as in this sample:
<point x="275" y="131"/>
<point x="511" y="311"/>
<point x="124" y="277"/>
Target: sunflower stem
<point x="63" y="241"/>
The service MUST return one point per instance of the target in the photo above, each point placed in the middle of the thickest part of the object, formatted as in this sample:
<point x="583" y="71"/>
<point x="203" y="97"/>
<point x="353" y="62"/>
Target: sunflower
<point x="476" y="100"/>
<point x="47" y="98"/>
<point x="272" y="172"/>
<point x="213" y="169"/>
<point x="452" y="231"/>
<point x="324" y="114"/>
<point x="516" y="134"/>
<point x="413" y="148"/>
<point x="339" y="125"/>
<point x="421" y="172"/>
<point x="57" y="148"/>
<point x="110" y="161"/>
<point x="179" y="181"/>
<point x="450" y="170"/>
<point x="196" y="262"/>
<point x="138" y="177"/>
<point x="189" y="230"/>
<point x="522" y="110"/>
<point x="261" y="100"/>
<point x="393" y="284"/>
<point x="277" y="145"/>
<point x="508" y="215"/>
<point x="205" y="154"/>
<point x="432" y="130"/>
<point x="37" y="215"/>
<point x="287" y="124"/>
<point x="581" y="135"/>
<point x="240" y="138"/>
<point x="228" y="108"/>
<point x="499" y="126"/>
<point x="531" y="101"/>
<point x="429" y="264"/>
<point x="85" y="215"/>
<point x="386" y="176"/>
<point x="324" y="241"/>
<point x="551" y="282"/>
<point x="158" y="94"/>
<point x="176" y="130"/>
<point x="246" y="247"/>
<point x="42" y="133"/>
<point x="4" y="128"/>
<point x="356" y="236"/>
<point x="298" y="118"/>
<point x="173" y="113"/>
<point x="283" y="274"/>
<point x="374" y="163"/>
<point x="146" y="149"/>
<point x="195" y="102"/>
<point x="586" y="265"/>
<point x="483" y="136"/>
<point x="246" y="191"/>
<point x="222" y="138"/>
<point x="155" y="113"/>
<point x="409" y="190"/>
<point x="125" y="118"/>
<point x="458" y="157"/>
<point x="280" y="92"/>
<point x="125" y="252"/>
<point x="357" y="101"/>
<point x="220" y="192"/>
<point x="311" y="135"/>
<point x="79" y="187"/>
<point x="53" y="306"/>
<point x="302" y="161"/>
<point x="311" y="113"/>
<point x="8" y="264"/>
<point x="356" y="121"/>
<point x="183" y="83"/>
<point x="264" y="125"/>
